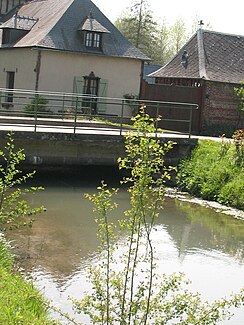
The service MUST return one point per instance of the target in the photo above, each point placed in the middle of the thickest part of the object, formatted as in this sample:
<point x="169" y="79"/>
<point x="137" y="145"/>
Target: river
<point x="206" y="245"/>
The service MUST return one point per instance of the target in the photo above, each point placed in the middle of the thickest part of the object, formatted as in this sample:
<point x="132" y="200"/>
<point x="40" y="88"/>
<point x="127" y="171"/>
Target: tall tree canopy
<point x="158" y="40"/>
<point x="138" y="26"/>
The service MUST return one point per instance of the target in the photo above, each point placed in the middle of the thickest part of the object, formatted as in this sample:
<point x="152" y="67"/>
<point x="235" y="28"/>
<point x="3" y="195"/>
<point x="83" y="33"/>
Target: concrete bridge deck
<point x="93" y="143"/>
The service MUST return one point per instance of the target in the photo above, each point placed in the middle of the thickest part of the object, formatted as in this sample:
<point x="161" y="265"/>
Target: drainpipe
<point x="141" y="78"/>
<point x="37" y="69"/>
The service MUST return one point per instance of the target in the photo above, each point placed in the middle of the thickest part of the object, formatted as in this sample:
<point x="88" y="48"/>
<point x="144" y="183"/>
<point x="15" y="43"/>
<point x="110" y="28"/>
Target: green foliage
<point x="138" y="26"/>
<point x="158" y="40"/>
<point x="239" y="91"/>
<point x="6" y="259"/>
<point x="135" y="293"/>
<point x="14" y="209"/>
<point x="20" y="303"/>
<point x="215" y="171"/>
<point x="238" y="138"/>
<point x="38" y="105"/>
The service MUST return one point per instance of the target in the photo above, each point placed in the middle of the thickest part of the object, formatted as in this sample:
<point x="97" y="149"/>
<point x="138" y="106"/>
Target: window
<point x="101" y="88"/>
<point x="93" y="40"/>
<point x="91" y="85"/>
<point x="10" y="85"/>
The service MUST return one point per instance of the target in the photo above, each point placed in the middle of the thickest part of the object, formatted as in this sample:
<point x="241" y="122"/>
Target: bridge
<point x="66" y="129"/>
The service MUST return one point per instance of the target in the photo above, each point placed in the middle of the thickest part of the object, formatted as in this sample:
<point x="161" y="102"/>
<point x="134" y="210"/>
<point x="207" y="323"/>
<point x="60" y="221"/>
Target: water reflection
<point x="206" y="245"/>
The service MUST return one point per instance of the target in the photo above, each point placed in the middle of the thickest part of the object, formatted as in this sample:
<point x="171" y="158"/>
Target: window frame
<point x="93" y="40"/>
<point x="10" y="78"/>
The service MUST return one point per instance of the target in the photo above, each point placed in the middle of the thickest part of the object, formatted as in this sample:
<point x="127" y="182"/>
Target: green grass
<point x="215" y="171"/>
<point x="20" y="302"/>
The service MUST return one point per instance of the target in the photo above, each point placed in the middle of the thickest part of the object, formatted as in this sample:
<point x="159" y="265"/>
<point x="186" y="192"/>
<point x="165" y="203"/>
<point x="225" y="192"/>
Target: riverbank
<point x="20" y="302"/>
<point x="214" y="172"/>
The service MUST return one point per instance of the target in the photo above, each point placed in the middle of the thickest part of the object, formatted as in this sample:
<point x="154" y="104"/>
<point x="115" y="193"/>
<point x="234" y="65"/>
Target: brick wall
<point x="221" y="106"/>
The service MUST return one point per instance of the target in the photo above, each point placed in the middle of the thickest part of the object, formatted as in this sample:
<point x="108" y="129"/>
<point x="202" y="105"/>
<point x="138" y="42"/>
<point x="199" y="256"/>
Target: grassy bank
<point x="20" y="302"/>
<point x="215" y="171"/>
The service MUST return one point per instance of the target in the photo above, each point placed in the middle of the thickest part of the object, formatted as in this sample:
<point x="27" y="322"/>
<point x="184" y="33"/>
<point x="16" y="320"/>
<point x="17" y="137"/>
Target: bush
<point x="215" y="171"/>
<point x="37" y="105"/>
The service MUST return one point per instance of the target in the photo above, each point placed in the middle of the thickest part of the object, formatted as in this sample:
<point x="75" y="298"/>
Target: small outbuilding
<point x="205" y="71"/>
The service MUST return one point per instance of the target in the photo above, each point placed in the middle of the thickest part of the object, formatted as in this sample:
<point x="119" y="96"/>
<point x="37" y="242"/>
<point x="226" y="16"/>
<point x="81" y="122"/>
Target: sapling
<point x="14" y="209"/>
<point x="134" y="292"/>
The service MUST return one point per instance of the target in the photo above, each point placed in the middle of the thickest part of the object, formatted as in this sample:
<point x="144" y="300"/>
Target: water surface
<point x="207" y="246"/>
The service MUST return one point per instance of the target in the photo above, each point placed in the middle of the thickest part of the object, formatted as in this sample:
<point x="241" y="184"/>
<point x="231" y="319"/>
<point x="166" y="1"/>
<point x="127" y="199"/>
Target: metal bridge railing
<point x="69" y="110"/>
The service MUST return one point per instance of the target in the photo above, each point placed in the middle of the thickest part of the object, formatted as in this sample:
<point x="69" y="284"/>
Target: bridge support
<point x="59" y="149"/>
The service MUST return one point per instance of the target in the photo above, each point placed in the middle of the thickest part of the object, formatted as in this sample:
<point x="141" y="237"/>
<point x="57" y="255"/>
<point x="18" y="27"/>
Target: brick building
<point x="205" y="71"/>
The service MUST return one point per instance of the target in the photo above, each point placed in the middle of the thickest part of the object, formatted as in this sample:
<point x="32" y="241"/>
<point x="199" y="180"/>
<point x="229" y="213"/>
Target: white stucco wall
<point x="23" y="63"/>
<point x="58" y="70"/>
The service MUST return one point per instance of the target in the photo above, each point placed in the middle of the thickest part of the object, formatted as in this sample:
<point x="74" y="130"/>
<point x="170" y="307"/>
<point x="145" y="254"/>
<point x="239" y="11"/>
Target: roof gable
<point x="59" y="24"/>
<point x="211" y="55"/>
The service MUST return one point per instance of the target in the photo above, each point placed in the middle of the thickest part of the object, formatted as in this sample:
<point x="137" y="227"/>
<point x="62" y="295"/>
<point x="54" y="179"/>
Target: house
<point x="205" y="71"/>
<point x="68" y="46"/>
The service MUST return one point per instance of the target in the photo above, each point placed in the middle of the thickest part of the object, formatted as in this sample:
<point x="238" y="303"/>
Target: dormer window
<point x="92" y="33"/>
<point x="16" y="28"/>
<point x="93" y="40"/>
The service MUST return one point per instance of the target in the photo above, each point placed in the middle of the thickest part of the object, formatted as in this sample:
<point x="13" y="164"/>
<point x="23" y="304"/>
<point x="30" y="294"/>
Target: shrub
<point x="38" y="105"/>
<point x="214" y="172"/>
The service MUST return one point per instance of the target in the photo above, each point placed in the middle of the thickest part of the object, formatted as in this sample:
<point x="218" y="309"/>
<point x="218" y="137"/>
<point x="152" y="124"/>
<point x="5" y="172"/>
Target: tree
<point x="14" y="209"/>
<point x="163" y="50"/>
<point x="138" y="26"/>
<point x="178" y="35"/>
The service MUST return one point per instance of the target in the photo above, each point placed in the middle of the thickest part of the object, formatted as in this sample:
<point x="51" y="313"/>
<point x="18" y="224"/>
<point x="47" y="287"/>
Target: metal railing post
<point x="63" y="107"/>
<point x="156" y="125"/>
<point x="121" y="118"/>
<point x="35" y="116"/>
<point x="190" y="122"/>
<point x="75" y="120"/>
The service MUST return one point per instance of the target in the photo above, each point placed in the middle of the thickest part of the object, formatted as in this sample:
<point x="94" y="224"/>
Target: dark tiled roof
<point x="211" y="55"/>
<point x="58" y="25"/>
